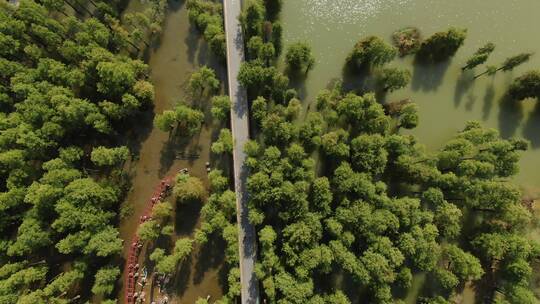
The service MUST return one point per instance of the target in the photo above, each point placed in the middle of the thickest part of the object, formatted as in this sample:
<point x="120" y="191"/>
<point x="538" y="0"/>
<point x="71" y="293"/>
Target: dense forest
<point x="68" y="87"/>
<point x="348" y="209"/>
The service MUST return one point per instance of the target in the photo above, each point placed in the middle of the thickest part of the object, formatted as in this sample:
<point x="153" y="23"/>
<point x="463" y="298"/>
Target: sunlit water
<point x="447" y="98"/>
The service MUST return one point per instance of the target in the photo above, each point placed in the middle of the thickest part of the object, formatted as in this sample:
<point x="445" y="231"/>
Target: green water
<point x="447" y="98"/>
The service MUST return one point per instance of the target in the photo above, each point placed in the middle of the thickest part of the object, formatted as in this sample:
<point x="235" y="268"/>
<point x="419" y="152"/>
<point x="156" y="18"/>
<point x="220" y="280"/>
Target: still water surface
<point x="447" y="98"/>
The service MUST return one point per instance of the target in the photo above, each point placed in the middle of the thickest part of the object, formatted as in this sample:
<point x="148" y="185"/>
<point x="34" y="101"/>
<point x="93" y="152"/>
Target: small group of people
<point x="162" y="280"/>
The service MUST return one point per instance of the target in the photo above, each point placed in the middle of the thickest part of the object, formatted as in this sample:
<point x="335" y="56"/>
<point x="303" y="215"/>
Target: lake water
<point x="447" y="98"/>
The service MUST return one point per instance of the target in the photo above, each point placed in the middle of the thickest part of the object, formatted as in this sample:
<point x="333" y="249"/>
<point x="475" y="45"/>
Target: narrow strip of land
<point x="240" y="131"/>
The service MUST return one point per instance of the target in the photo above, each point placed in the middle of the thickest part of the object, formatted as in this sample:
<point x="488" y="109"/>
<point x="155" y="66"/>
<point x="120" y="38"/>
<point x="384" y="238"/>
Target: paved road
<point x="240" y="132"/>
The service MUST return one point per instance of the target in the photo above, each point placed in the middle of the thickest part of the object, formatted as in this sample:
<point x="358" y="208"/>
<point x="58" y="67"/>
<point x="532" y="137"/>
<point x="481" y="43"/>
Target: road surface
<point x="240" y="132"/>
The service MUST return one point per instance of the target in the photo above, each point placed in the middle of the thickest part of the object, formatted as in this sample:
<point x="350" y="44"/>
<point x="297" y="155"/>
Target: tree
<point x="162" y="211"/>
<point x="168" y="263"/>
<point x="441" y="45"/>
<point x="208" y="18"/>
<point x="391" y="79"/>
<point x="448" y="219"/>
<point x="105" y="280"/>
<point x="464" y="265"/>
<point x="526" y="86"/>
<point x="165" y="121"/>
<point x="370" y="52"/>
<point x="252" y="18"/>
<point x="30" y="237"/>
<point x="188" y="188"/>
<point x="408" y="116"/>
<point x="189" y="120"/>
<point x="221" y="108"/>
<point x="479" y="57"/>
<point x="511" y="62"/>
<point x="369" y="154"/>
<point x="105" y="243"/>
<point x="299" y="57"/>
<point x="508" y="65"/>
<point x="148" y="231"/>
<point x="103" y="156"/>
<point x="224" y="144"/>
<point x="335" y="143"/>
<point x="203" y="80"/>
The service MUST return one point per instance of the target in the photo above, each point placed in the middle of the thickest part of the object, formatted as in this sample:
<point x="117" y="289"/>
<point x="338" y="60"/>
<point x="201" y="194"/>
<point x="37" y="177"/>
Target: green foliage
<point x="203" y="80"/>
<point x="103" y="156"/>
<point x="263" y="81"/>
<point x="221" y="108"/>
<point x="207" y="16"/>
<point x="299" y="56"/>
<point x="442" y="45"/>
<point x="511" y="62"/>
<point x="526" y="86"/>
<point x="105" y="280"/>
<point x="391" y="79"/>
<point x="224" y="143"/>
<point x="148" y="231"/>
<point x="349" y="216"/>
<point x="186" y="120"/>
<point x="169" y="263"/>
<point x="188" y="188"/>
<point x="480" y="56"/>
<point x="61" y="79"/>
<point x="252" y="18"/>
<point x="370" y="52"/>
<point x="408" y="116"/>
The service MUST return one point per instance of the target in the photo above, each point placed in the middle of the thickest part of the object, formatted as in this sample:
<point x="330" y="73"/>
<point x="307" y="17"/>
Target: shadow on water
<point x="187" y="215"/>
<point x="510" y="116"/>
<point x="357" y="80"/>
<point x="211" y="256"/>
<point x="531" y="130"/>
<point x="174" y="144"/>
<point x="489" y="98"/>
<point x="471" y="100"/>
<point x="141" y="127"/>
<point x="464" y="83"/>
<point x="297" y="81"/>
<point x="192" y="40"/>
<point x="428" y="76"/>
<point x="182" y="276"/>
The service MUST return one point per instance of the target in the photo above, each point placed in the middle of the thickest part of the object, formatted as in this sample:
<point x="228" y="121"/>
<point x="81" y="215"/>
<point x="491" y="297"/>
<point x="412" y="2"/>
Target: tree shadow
<point x="464" y="83"/>
<point x="357" y="80"/>
<point x="141" y="127"/>
<point x="531" y="129"/>
<point x="193" y="40"/>
<point x="273" y="8"/>
<point x="428" y="76"/>
<point x="297" y="81"/>
<point x="489" y="97"/>
<point x="210" y="256"/>
<point x="187" y="215"/>
<point x="181" y="278"/>
<point x="169" y="153"/>
<point x="510" y="115"/>
<point x="223" y="277"/>
<point x="471" y="100"/>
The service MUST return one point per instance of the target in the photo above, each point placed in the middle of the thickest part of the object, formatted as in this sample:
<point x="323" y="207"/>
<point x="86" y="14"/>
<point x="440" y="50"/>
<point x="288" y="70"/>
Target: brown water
<point x="447" y="98"/>
<point x="178" y="53"/>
